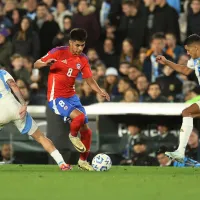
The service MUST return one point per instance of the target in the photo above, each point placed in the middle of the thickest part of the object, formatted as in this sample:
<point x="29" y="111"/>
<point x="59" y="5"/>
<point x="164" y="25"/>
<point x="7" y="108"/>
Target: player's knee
<point x="79" y="119"/>
<point x="186" y="113"/>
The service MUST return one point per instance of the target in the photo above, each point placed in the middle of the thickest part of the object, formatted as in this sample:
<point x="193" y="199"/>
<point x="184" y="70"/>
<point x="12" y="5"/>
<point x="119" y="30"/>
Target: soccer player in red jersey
<point x="66" y="62"/>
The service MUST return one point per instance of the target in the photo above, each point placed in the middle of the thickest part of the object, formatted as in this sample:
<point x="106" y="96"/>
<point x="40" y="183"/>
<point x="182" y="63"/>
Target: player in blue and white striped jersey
<point x="192" y="46"/>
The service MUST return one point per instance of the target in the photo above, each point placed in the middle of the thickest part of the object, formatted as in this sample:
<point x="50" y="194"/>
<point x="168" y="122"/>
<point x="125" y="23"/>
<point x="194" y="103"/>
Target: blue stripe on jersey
<point x="83" y="55"/>
<point x="28" y="124"/>
<point x="2" y="73"/>
<point x="58" y="48"/>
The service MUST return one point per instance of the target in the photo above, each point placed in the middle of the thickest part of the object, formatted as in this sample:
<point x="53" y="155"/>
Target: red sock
<point x="86" y="137"/>
<point x="76" y="124"/>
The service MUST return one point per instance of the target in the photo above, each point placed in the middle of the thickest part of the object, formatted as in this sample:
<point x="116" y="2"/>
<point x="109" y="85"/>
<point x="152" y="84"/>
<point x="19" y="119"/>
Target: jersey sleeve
<point x="50" y="55"/>
<point x="190" y="64"/>
<point x="86" y="70"/>
<point x="7" y="76"/>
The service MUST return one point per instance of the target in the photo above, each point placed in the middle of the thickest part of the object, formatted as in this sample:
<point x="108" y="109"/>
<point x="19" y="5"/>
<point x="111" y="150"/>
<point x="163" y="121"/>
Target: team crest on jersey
<point x="64" y="61"/>
<point x="66" y="107"/>
<point x="78" y="65"/>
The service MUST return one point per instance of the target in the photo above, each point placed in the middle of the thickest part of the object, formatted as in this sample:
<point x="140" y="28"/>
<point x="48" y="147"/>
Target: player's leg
<point x="185" y="131"/>
<point x="86" y="138"/>
<point x="77" y="120"/>
<point x="65" y="108"/>
<point x="29" y="126"/>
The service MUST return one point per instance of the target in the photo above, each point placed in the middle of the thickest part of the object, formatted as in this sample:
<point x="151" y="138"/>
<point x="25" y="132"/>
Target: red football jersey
<point x="63" y="73"/>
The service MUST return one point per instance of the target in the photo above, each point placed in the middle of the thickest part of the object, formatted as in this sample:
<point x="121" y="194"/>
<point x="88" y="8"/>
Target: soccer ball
<point x="101" y="162"/>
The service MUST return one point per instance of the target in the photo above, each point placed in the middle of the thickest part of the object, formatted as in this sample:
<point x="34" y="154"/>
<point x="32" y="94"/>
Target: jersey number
<point x="61" y="103"/>
<point x="69" y="73"/>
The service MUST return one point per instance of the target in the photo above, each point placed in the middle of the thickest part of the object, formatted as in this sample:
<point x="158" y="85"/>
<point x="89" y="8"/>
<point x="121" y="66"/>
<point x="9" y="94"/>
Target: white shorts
<point x="9" y="112"/>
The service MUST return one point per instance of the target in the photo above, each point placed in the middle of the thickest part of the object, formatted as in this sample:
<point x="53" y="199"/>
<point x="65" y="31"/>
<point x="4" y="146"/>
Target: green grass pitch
<point x="31" y="182"/>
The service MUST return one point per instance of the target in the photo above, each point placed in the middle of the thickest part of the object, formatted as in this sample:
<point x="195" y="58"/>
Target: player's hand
<point x="50" y="62"/>
<point x="105" y="95"/>
<point x="161" y="59"/>
<point x="22" y="111"/>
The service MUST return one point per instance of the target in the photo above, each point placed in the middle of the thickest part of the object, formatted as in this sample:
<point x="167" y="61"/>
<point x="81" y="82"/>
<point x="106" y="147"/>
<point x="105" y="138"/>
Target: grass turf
<point x="29" y="182"/>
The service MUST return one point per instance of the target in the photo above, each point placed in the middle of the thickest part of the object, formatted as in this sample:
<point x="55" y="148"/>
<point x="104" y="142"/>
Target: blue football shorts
<point x="64" y="107"/>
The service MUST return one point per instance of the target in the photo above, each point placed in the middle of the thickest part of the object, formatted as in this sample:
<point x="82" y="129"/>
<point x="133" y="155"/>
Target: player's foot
<point x="65" y="167"/>
<point x="84" y="165"/>
<point x="176" y="155"/>
<point x="79" y="146"/>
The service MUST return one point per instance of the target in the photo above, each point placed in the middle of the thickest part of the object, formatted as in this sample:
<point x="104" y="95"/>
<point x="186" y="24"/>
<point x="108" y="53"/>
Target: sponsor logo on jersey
<point x="66" y="107"/>
<point x="78" y="65"/>
<point x="64" y="61"/>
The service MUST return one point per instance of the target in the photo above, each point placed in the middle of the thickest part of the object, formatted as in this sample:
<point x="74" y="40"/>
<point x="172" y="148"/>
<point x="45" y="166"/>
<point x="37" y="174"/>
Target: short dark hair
<point x="154" y="83"/>
<point x="126" y="80"/>
<point x="159" y="36"/>
<point x="161" y="150"/>
<point x="194" y="38"/>
<point x="42" y="4"/>
<point x="78" y="34"/>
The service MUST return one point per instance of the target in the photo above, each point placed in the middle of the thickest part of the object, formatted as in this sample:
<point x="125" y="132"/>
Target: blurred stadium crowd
<point x="124" y="38"/>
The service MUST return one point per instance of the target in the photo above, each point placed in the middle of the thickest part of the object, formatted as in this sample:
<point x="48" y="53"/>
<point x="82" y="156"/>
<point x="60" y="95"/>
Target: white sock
<point x="57" y="157"/>
<point x="185" y="132"/>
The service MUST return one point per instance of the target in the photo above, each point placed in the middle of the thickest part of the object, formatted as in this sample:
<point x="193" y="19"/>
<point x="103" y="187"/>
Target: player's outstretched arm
<point x="93" y="84"/>
<point x="40" y="64"/>
<point x="179" y="68"/>
<point x="13" y="86"/>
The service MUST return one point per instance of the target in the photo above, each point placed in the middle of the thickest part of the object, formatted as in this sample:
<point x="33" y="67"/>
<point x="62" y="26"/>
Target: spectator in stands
<point x="104" y="13"/>
<point x="142" y="86"/>
<point x="166" y="19"/>
<point x="193" y="19"/>
<point x="173" y="49"/>
<point x="94" y="73"/>
<point x="26" y="41"/>
<point x="62" y="38"/>
<point x="123" y="85"/>
<point x="165" y="138"/>
<point x="101" y="70"/>
<point x="127" y="54"/>
<point x="139" y="62"/>
<point x="140" y="155"/>
<point x="46" y="27"/>
<point x="5" y="22"/>
<point x="28" y="63"/>
<point x="24" y="89"/>
<point x="87" y="97"/>
<point x="9" y="6"/>
<point x="150" y="14"/>
<point x="124" y="69"/>
<point x="111" y="82"/>
<point x="72" y="5"/>
<point x="19" y="71"/>
<point x="50" y="5"/>
<point x="192" y="95"/>
<point x="93" y="57"/>
<point x="151" y="68"/>
<point x="7" y="155"/>
<point x="133" y="73"/>
<point x="132" y="24"/>
<point x="5" y="48"/>
<point x="86" y="19"/>
<point x="175" y="4"/>
<point x="163" y="160"/>
<point x="37" y="89"/>
<point x="31" y="6"/>
<point x="171" y="86"/>
<point x="130" y="96"/>
<point x="193" y="148"/>
<point x="128" y="140"/>
<point x="17" y="15"/>
<point x="60" y="13"/>
<point x="154" y="92"/>
<point x="109" y="56"/>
